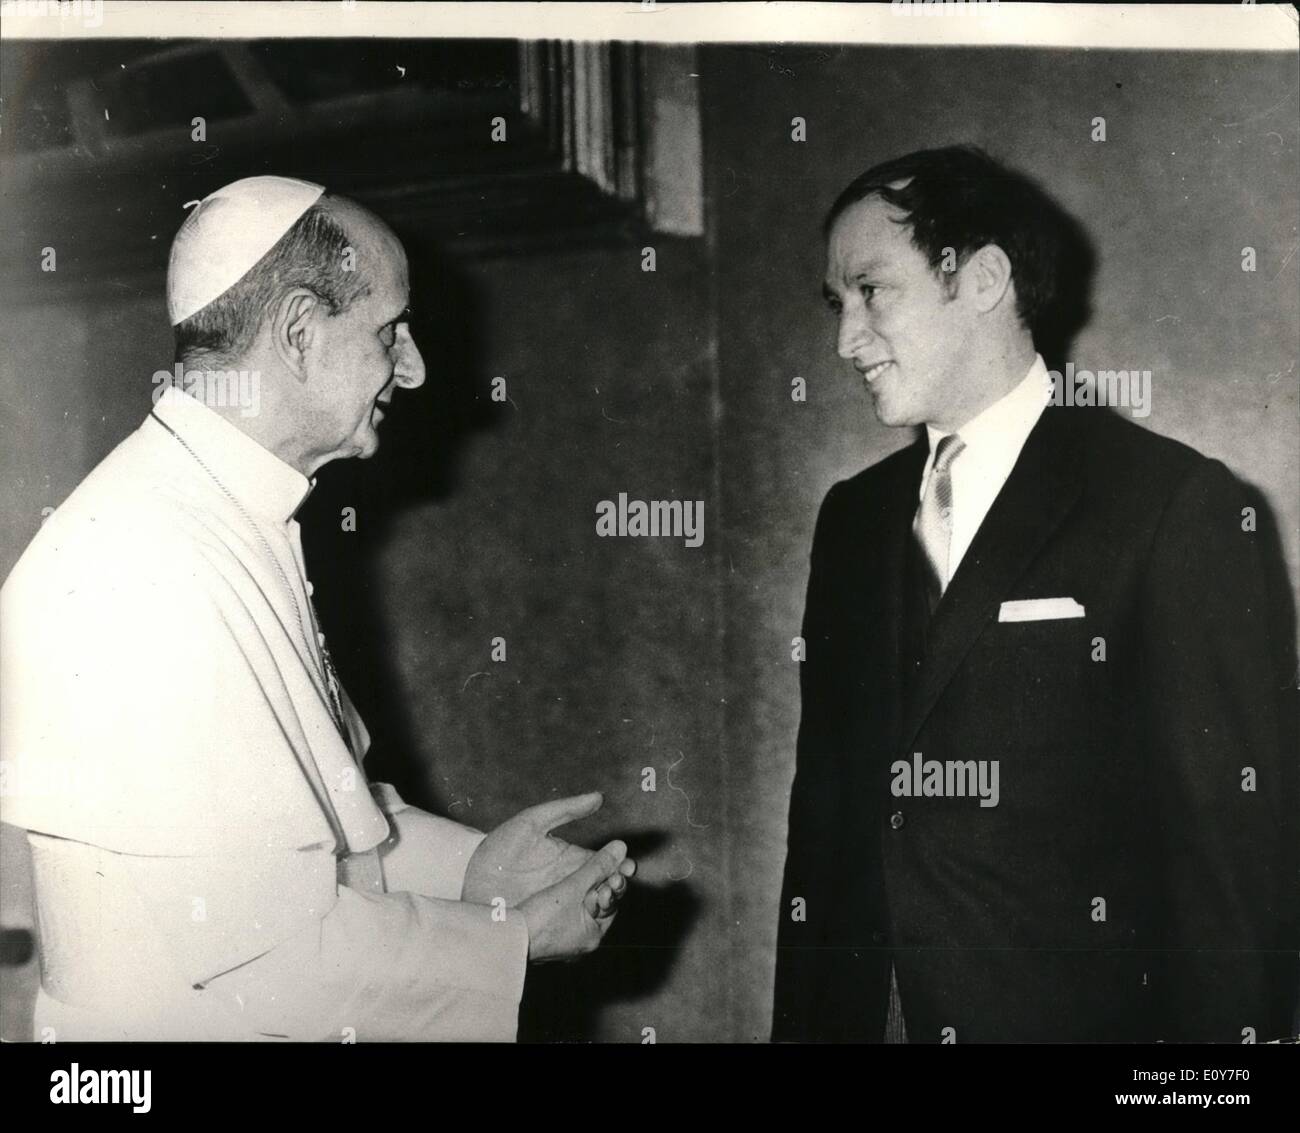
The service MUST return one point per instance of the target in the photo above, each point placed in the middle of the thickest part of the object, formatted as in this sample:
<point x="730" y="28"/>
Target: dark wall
<point x="612" y="644"/>
<point x="477" y="519"/>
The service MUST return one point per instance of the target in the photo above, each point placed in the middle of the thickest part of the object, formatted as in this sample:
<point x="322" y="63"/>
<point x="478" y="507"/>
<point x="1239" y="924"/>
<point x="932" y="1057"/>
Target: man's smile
<point x="873" y="371"/>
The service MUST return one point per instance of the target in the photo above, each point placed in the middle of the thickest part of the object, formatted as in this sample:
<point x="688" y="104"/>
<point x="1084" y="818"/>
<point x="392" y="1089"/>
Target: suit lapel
<point x="1042" y="488"/>
<point x="892" y="525"/>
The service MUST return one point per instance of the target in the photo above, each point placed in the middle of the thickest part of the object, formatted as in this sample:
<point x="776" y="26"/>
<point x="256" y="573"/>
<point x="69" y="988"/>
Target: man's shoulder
<point x="1110" y="436"/>
<point x="1122" y="459"/>
<point x="900" y="469"/>
<point x="1119" y="460"/>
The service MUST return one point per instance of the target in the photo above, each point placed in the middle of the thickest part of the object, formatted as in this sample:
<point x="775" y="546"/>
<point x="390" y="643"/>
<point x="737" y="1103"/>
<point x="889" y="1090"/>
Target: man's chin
<point x="890" y="414"/>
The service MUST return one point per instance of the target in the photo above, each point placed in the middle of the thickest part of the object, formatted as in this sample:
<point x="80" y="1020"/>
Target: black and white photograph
<point x="728" y="524"/>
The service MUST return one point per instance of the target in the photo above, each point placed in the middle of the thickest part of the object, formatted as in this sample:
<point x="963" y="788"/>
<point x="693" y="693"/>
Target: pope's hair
<point x="311" y="254"/>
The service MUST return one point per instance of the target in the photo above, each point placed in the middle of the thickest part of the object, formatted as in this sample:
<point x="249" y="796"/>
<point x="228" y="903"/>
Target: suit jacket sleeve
<point x="1223" y="770"/>
<point x="806" y="892"/>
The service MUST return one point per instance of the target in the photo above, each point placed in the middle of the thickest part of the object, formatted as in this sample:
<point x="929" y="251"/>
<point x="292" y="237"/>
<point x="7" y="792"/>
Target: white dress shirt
<point x="993" y="441"/>
<point x="171" y="746"/>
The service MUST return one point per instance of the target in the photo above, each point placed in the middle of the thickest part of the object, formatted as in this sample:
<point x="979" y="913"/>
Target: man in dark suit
<point x="1045" y="787"/>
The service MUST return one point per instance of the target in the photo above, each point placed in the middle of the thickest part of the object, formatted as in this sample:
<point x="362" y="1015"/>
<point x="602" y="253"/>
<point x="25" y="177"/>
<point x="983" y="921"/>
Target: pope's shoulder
<point x="128" y="518"/>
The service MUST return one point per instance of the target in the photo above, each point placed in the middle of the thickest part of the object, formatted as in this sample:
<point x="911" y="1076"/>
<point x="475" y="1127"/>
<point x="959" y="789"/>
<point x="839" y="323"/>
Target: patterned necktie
<point x="933" y="524"/>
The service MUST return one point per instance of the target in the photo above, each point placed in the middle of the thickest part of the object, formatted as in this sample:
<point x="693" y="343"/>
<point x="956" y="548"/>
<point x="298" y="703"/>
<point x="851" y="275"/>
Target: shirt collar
<point x="1008" y="421"/>
<point x="255" y="476"/>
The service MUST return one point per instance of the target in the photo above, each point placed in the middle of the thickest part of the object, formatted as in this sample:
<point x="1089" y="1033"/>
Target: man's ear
<point x="987" y="274"/>
<point x="293" y="329"/>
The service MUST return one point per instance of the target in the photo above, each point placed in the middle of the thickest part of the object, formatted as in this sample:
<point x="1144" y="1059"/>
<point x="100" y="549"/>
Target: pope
<point x="216" y="865"/>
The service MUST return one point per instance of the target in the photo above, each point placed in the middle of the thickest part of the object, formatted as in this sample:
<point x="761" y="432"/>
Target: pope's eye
<point x="388" y="332"/>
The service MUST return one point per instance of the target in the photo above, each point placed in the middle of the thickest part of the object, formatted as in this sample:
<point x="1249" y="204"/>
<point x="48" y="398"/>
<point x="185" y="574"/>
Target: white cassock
<point x="210" y="861"/>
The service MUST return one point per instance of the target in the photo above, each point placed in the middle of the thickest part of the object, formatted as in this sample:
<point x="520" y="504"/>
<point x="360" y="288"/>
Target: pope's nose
<point x="409" y="371"/>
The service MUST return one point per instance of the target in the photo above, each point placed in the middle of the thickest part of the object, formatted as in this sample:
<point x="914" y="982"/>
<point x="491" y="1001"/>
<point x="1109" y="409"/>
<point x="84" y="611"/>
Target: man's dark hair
<point x="959" y="197"/>
<point x="311" y="254"/>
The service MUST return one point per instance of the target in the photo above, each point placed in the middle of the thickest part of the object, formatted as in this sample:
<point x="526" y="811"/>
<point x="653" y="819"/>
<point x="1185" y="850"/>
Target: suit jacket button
<point x="896" y="820"/>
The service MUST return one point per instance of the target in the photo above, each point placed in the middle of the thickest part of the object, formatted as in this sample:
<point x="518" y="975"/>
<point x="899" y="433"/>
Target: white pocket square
<point x="1039" y="610"/>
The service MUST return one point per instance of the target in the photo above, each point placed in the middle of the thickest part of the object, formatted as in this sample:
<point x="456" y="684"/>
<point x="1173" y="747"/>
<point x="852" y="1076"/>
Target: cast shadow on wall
<point x="1070" y="308"/>
<point x="562" y="1002"/>
<point x="418" y="464"/>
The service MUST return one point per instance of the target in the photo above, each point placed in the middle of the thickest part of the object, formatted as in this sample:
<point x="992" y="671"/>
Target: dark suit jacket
<point x="1119" y="779"/>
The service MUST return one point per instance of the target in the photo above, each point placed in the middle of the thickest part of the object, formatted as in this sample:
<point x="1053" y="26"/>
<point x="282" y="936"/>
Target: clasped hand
<point x="568" y="894"/>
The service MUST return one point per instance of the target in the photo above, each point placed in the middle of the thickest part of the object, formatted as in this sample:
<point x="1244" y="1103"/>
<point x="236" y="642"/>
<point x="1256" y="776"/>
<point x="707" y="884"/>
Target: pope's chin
<point x="366" y="439"/>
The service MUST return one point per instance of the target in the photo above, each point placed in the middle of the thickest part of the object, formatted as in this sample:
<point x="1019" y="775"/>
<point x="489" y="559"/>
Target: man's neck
<point x="999" y="374"/>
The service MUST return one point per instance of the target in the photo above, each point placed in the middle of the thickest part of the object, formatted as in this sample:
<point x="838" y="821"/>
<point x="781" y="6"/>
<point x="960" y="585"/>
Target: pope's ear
<point x="293" y="327"/>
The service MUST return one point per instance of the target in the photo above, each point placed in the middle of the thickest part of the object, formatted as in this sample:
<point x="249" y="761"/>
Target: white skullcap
<point x="227" y="234"/>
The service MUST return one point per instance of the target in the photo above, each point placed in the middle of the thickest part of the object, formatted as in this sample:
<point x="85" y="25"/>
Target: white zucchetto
<point x="226" y="235"/>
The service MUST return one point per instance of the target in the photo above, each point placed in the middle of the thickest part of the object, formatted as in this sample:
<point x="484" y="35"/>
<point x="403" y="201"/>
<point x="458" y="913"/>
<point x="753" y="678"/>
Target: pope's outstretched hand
<point x="521" y="859"/>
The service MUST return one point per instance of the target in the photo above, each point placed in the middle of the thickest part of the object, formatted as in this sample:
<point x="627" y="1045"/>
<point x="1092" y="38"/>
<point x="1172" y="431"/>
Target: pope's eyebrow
<point x="403" y="316"/>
